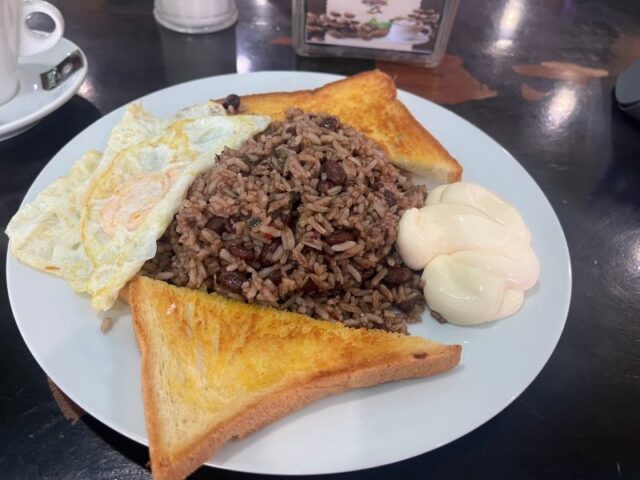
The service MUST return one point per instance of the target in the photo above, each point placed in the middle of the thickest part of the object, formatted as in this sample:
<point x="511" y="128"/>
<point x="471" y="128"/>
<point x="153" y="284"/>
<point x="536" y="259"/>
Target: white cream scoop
<point x="475" y="250"/>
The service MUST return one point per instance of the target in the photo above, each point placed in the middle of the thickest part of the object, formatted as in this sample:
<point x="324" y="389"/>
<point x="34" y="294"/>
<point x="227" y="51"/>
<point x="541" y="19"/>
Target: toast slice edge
<point x="179" y="464"/>
<point x="406" y="142"/>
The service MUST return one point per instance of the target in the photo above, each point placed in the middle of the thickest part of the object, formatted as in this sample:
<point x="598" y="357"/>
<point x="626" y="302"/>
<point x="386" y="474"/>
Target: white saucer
<point x="32" y="103"/>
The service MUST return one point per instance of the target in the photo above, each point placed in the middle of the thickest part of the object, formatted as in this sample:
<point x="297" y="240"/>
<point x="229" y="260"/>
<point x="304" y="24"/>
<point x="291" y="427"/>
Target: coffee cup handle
<point x="32" y="42"/>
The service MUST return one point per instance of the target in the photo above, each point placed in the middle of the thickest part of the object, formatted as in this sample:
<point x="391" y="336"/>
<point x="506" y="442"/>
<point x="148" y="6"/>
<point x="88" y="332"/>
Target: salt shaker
<point x="195" y="16"/>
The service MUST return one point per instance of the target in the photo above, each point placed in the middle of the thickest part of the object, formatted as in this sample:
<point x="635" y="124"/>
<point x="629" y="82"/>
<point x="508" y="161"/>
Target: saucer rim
<point x="24" y="122"/>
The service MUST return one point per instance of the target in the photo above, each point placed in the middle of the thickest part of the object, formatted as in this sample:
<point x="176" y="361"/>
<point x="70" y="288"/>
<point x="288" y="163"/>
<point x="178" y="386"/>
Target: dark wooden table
<point x="581" y="417"/>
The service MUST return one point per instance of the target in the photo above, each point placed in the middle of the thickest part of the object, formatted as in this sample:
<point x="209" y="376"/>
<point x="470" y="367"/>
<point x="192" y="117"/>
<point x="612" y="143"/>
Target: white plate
<point x="359" y="429"/>
<point x="32" y="103"/>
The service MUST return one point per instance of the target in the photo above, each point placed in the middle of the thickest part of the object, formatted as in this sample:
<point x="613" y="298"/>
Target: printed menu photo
<point x="404" y="25"/>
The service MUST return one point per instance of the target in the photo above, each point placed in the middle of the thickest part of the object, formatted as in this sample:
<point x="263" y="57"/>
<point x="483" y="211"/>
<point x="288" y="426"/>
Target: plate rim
<point x="552" y="344"/>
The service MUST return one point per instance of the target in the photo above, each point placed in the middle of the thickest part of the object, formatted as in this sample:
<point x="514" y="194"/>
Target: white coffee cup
<point x="195" y="16"/>
<point x="16" y="39"/>
<point x="405" y="28"/>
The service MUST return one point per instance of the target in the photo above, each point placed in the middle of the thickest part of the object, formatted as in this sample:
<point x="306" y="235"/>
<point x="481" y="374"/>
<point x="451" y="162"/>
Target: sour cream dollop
<point x="475" y="250"/>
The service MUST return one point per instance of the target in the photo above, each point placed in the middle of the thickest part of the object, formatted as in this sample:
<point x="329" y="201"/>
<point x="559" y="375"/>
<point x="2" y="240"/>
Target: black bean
<point x="335" y="173"/>
<point x="332" y="123"/>
<point x="324" y="186"/>
<point x="232" y="102"/>
<point x="293" y="220"/>
<point x="367" y="273"/>
<point x="275" y="277"/>
<point x="217" y="224"/>
<point x="241" y="252"/>
<point x="309" y="286"/>
<point x="408" y="305"/>
<point x="340" y="236"/>
<point x="228" y="226"/>
<point x="267" y="251"/>
<point x="286" y="216"/>
<point x="294" y="196"/>
<point x="390" y="198"/>
<point x="232" y="281"/>
<point x="398" y="275"/>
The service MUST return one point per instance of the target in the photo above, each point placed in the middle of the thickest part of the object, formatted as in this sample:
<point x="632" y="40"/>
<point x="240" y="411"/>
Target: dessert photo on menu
<point x="406" y="25"/>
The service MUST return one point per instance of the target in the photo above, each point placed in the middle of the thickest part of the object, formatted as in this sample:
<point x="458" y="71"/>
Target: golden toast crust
<point x="168" y="327"/>
<point x="368" y="102"/>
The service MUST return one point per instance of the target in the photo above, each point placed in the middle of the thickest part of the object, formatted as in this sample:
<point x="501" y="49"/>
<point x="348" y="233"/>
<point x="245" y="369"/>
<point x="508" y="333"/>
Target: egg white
<point x="135" y="199"/>
<point x="97" y="226"/>
<point x="46" y="232"/>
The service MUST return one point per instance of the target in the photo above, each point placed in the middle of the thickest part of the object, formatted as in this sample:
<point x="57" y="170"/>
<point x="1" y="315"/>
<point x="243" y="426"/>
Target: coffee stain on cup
<point x="448" y="83"/>
<point x="69" y="409"/>
<point x="568" y="72"/>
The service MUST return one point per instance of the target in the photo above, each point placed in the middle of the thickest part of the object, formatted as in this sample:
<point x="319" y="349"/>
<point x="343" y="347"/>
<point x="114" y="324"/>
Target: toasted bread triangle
<point x="214" y="368"/>
<point x="368" y="102"/>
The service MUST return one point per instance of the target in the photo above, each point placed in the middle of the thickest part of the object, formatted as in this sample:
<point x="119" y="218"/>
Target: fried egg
<point x="135" y="199"/>
<point x="97" y="226"/>
<point x="46" y="232"/>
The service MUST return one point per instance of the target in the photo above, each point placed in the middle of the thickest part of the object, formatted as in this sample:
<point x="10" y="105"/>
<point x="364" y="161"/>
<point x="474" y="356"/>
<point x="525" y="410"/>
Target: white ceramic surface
<point x="195" y="16"/>
<point x="359" y="429"/>
<point x="17" y="39"/>
<point x="32" y="103"/>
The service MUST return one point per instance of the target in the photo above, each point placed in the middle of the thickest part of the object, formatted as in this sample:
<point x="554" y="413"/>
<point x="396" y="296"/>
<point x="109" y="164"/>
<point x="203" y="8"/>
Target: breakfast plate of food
<point x="287" y="273"/>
